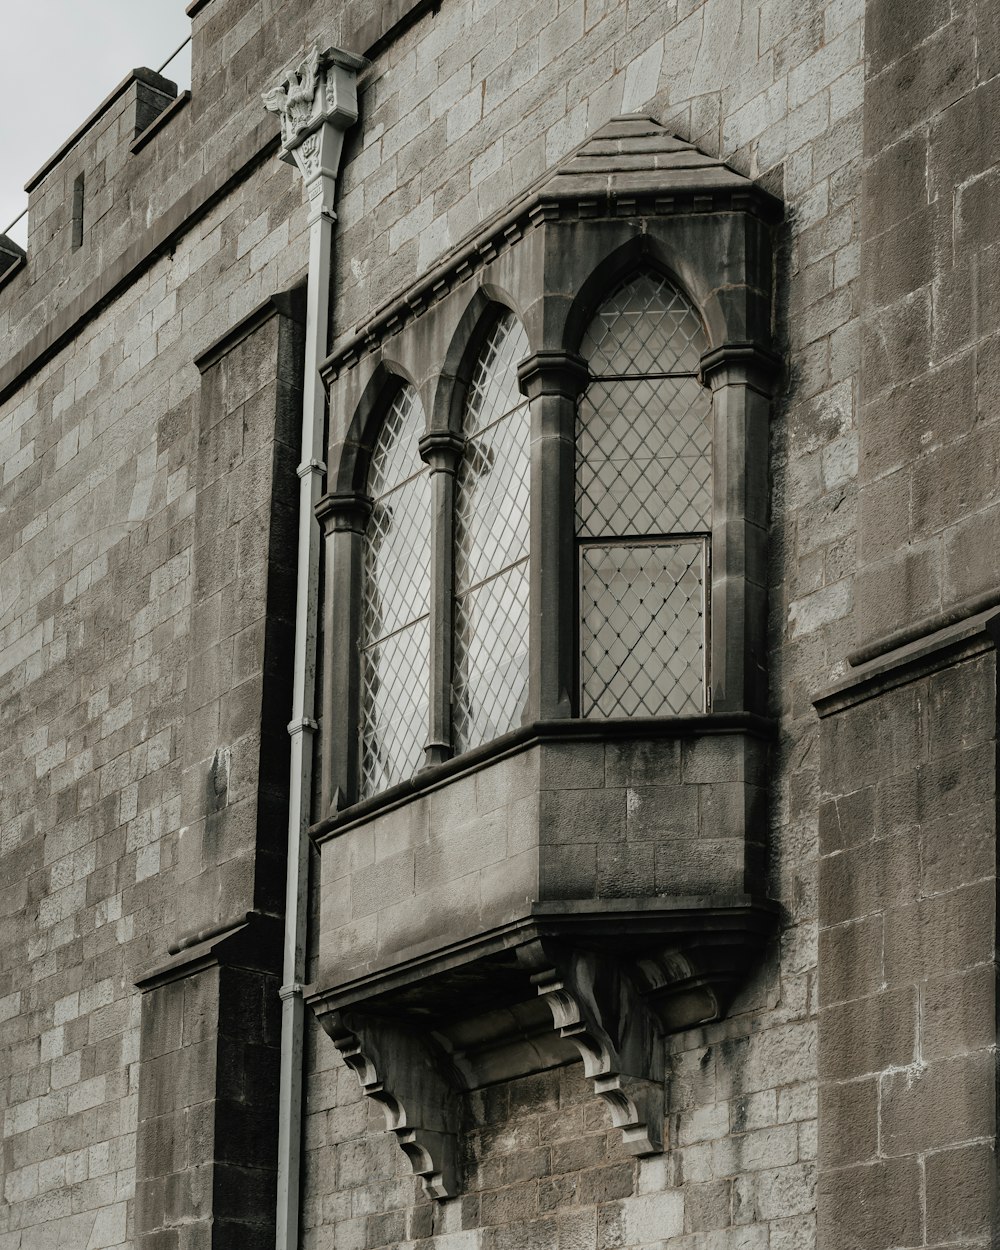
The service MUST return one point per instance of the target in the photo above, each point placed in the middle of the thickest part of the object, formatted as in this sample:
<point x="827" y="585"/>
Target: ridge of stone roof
<point x="634" y="153"/>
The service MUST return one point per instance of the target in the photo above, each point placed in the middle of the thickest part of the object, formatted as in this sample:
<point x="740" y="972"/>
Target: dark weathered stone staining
<point x="207" y="1131"/>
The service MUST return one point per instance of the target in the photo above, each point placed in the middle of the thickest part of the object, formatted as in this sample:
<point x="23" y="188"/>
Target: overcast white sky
<point x="58" y="60"/>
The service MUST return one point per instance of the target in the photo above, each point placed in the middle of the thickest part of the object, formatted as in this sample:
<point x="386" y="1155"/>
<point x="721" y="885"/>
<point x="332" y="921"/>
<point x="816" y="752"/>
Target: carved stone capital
<point x="741" y="364"/>
<point x="553" y="373"/>
<point x="343" y="510"/>
<point x="596" y="1006"/>
<point x="442" y="450"/>
<point x="406" y="1076"/>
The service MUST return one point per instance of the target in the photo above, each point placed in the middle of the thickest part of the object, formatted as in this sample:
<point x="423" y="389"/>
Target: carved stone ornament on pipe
<point x="322" y="89"/>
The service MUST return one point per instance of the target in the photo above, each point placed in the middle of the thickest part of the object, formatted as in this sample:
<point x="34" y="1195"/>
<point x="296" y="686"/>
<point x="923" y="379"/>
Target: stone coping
<point x="159" y="121"/>
<point x="148" y="76"/>
<point x="959" y="640"/>
<point x="253" y="940"/>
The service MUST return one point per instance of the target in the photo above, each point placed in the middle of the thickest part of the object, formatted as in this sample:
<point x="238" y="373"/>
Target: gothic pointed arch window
<point x="644" y="505"/>
<point x="491" y="544"/>
<point x="395" y="627"/>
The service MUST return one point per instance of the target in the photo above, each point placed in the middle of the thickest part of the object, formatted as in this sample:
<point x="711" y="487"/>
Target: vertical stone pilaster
<point x="442" y="451"/>
<point x="206" y="1143"/>
<point x="552" y="381"/>
<point x="740" y="377"/>
<point x="907" y="937"/>
<point x="343" y="518"/>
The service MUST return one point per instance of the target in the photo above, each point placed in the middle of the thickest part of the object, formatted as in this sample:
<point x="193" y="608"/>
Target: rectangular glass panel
<point x="642" y="630"/>
<point x="644" y="457"/>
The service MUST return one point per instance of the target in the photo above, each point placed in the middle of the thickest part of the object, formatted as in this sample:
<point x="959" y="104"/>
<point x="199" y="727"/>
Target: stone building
<point x="497" y="635"/>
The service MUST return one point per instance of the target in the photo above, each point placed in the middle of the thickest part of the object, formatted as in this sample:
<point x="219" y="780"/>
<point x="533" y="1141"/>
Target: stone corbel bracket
<point x="422" y="1108"/>
<point x="597" y="1008"/>
<point x="604" y="980"/>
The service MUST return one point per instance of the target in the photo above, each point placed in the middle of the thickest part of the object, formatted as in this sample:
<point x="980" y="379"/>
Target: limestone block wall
<point x="907" y="1044"/>
<point x="465" y="110"/>
<point x="931" y="352"/>
<point x="465" y="104"/>
<point x="99" y="447"/>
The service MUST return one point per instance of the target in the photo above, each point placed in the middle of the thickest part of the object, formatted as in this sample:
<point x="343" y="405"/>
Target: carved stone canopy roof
<point x="632" y="166"/>
<point x="634" y="155"/>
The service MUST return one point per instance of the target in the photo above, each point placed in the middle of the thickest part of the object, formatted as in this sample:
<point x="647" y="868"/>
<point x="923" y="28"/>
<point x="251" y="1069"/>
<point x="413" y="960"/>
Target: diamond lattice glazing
<point x="644" y="457"/>
<point x="492" y="502"/>
<point x="394" y="726"/>
<point x="491" y="658"/>
<point x="491" y="536"/>
<point x="395" y="649"/>
<point x="493" y="390"/>
<point x="396" y="456"/>
<point x="643" y="629"/>
<point x="398" y="558"/>
<point x="647" y="326"/>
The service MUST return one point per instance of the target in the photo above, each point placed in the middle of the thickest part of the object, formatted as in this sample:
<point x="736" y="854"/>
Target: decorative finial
<point x="294" y="100"/>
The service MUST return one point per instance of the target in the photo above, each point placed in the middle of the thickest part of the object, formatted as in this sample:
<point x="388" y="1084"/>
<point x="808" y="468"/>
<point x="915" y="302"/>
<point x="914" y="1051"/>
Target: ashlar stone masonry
<point x="831" y="1089"/>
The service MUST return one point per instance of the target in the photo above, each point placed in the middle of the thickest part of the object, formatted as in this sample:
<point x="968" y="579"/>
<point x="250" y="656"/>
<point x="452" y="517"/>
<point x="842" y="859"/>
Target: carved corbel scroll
<point x="406" y="1077"/>
<point x="595" y="1006"/>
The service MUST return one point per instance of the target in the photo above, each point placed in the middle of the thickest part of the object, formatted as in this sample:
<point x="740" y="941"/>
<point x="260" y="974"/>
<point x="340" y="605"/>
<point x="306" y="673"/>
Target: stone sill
<point x="527" y="736"/>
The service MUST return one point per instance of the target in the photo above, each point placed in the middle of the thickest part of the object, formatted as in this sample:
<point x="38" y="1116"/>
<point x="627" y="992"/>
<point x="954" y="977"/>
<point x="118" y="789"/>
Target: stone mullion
<point x="344" y="518"/>
<point x="442" y="452"/>
<point x="553" y="381"/>
<point x="740" y="377"/>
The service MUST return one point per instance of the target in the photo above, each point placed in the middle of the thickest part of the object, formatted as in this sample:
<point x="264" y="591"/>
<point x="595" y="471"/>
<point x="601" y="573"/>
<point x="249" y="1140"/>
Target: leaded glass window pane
<point x="491" y="657"/>
<point x="395" y="650"/>
<point x="644" y="457"/>
<point x="643" y="628"/>
<point x="647" y="326"/>
<point x="644" y="471"/>
<point x="491" y="536"/>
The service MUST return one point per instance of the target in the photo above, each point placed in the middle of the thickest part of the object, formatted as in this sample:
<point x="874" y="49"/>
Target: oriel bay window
<point x="544" y="734"/>
<point x="642" y="520"/>
<point x="617" y="450"/>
